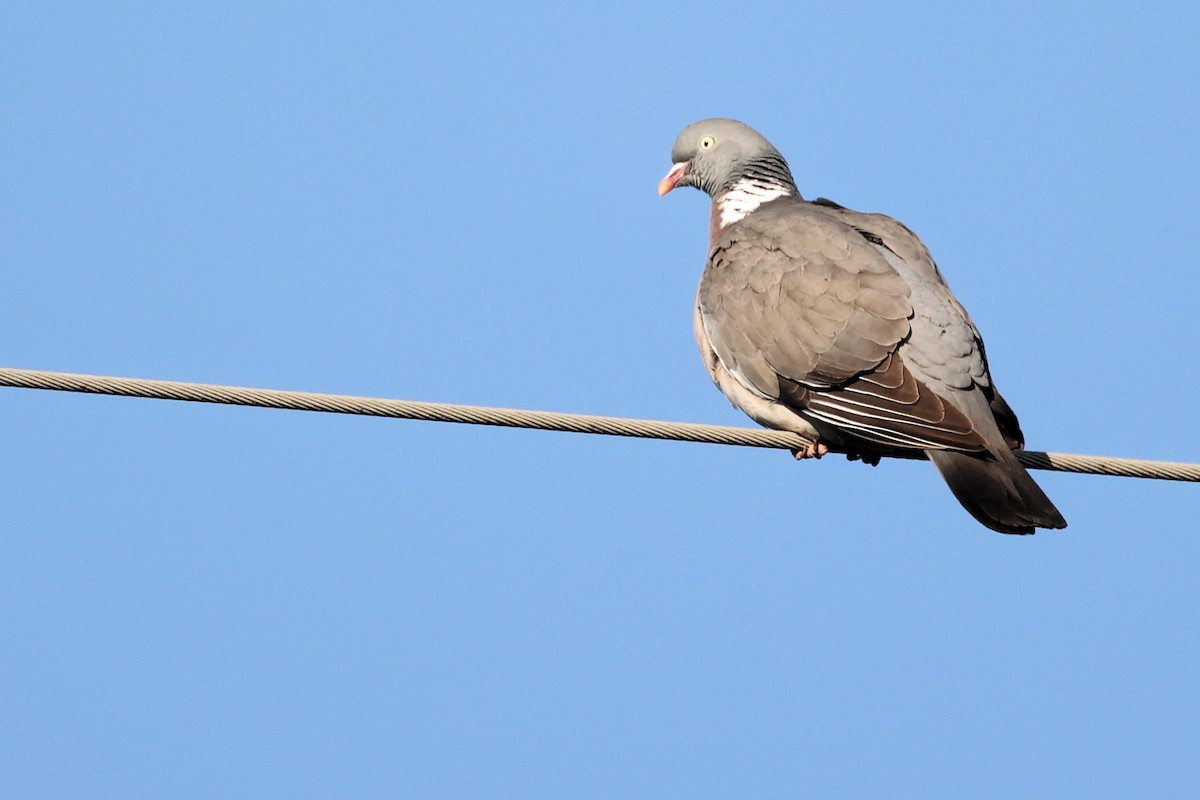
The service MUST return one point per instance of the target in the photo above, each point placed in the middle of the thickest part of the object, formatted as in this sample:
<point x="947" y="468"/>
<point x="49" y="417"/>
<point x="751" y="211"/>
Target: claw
<point x="813" y="450"/>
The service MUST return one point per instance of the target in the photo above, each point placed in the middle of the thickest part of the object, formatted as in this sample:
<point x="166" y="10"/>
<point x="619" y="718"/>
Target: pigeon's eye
<point x="707" y="143"/>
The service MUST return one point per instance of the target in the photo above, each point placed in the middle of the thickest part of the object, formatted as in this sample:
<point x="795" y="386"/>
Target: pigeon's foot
<point x="814" y="450"/>
<point x="870" y="459"/>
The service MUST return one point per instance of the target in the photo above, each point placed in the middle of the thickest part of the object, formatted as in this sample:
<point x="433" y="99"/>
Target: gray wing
<point x="803" y="309"/>
<point x="945" y="347"/>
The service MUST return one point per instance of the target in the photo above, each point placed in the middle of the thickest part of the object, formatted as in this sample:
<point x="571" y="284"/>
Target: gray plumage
<point x="838" y="325"/>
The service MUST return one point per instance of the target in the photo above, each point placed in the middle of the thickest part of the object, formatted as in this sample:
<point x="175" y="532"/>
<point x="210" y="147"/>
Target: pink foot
<point x="814" y="450"/>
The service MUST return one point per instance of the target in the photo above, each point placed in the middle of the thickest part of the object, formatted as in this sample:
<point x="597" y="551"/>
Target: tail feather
<point x="995" y="489"/>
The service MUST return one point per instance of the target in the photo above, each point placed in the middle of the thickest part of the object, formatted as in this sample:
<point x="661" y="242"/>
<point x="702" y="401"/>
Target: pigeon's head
<point x="715" y="154"/>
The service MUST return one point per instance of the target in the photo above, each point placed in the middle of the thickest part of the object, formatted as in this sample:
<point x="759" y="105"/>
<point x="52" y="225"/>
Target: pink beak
<point x="672" y="179"/>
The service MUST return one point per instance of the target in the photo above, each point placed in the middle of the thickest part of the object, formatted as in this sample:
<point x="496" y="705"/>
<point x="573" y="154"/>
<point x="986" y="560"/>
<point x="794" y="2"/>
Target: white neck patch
<point x="745" y="196"/>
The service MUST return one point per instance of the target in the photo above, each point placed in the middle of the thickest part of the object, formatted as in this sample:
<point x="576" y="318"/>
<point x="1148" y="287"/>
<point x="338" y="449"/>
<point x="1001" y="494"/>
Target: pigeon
<point x="838" y="326"/>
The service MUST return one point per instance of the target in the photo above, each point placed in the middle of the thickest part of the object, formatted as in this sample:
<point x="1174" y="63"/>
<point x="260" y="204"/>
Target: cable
<point x="519" y="418"/>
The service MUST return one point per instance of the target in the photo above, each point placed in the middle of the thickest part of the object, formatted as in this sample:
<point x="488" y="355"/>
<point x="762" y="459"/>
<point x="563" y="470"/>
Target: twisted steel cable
<point x="521" y="418"/>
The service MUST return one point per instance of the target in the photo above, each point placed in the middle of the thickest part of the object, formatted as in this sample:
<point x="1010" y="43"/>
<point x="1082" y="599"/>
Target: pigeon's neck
<point x="744" y="197"/>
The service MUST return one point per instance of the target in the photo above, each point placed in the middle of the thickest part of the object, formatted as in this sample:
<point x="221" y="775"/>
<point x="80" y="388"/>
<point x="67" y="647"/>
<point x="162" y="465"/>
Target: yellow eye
<point x="707" y="143"/>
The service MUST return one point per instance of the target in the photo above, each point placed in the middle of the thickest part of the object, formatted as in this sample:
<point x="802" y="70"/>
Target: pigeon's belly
<point x="766" y="411"/>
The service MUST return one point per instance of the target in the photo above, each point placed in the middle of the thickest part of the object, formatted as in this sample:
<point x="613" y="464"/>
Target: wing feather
<point x="804" y="310"/>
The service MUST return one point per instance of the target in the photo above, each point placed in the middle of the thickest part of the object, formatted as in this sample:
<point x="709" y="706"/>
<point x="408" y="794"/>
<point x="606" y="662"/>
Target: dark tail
<point x="997" y="490"/>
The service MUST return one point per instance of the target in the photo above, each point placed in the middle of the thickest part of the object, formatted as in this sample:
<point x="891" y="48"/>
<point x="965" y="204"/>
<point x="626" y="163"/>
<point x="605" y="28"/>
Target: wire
<point x="520" y="418"/>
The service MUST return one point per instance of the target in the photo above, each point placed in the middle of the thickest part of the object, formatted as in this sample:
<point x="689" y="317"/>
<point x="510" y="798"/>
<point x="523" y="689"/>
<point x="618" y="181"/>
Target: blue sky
<point x="458" y="205"/>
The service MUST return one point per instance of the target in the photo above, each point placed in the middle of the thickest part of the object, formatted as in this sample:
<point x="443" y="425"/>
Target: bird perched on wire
<point x="838" y="326"/>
